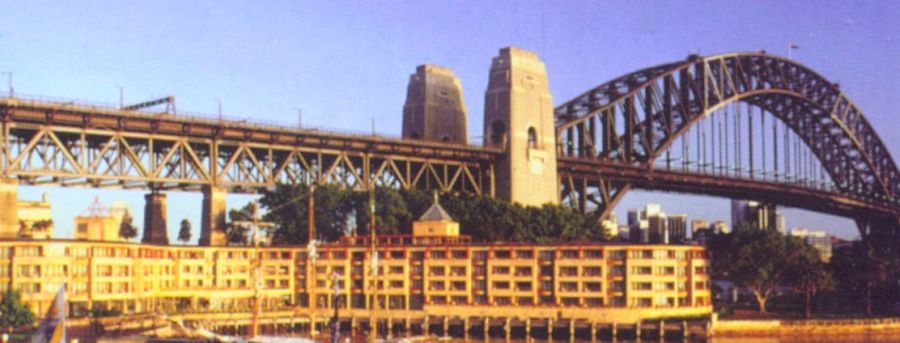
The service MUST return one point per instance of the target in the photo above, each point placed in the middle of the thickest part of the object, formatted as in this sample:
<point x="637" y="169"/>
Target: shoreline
<point x="797" y="327"/>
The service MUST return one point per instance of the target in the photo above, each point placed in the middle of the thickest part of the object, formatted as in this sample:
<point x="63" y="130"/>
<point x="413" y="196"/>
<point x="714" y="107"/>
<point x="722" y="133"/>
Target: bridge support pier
<point x="212" y="229"/>
<point x="9" y="208"/>
<point x="155" y="219"/>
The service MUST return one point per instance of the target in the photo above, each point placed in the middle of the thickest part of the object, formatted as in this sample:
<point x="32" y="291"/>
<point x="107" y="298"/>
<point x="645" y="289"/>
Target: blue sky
<point x="345" y="63"/>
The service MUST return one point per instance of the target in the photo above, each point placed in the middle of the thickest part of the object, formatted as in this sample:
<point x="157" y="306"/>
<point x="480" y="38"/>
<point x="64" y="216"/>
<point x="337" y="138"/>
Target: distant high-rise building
<point x="817" y="239"/>
<point x="651" y="225"/>
<point x="658" y="229"/>
<point x="757" y="214"/>
<point x="623" y="233"/>
<point x="779" y="222"/>
<point x="697" y="225"/>
<point x="639" y="224"/>
<point x="678" y="228"/>
<point x="720" y="227"/>
<point x="610" y="226"/>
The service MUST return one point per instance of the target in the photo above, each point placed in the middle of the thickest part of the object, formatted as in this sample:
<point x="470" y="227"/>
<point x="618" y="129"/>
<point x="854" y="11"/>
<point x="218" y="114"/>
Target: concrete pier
<point x="155" y="231"/>
<point x="212" y="229"/>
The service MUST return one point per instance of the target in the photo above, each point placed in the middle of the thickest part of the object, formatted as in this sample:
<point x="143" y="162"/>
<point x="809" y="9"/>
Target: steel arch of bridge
<point x="600" y="160"/>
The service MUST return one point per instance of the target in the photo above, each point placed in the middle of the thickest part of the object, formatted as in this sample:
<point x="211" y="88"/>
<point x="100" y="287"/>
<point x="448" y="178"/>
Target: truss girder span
<point x="45" y="145"/>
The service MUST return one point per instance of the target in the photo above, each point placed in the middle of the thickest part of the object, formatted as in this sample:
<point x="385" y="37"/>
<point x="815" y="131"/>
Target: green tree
<point x="860" y="271"/>
<point x="391" y="213"/>
<point x="184" y="232"/>
<point x="483" y="218"/>
<point x="127" y="230"/>
<point x="808" y="273"/>
<point x="13" y="313"/>
<point x="289" y="207"/>
<point x="235" y="232"/>
<point x="755" y="259"/>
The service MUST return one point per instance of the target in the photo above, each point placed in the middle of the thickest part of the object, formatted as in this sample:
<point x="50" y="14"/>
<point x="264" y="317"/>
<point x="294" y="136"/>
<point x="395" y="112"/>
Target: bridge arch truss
<point x="621" y="135"/>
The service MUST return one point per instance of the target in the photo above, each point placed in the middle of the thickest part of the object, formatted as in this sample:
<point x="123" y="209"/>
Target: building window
<point x="498" y="133"/>
<point x="532" y="138"/>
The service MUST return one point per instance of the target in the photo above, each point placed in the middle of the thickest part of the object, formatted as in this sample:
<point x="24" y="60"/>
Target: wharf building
<point x="432" y="273"/>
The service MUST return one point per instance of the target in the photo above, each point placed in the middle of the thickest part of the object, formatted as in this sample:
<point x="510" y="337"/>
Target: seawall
<point x="772" y="328"/>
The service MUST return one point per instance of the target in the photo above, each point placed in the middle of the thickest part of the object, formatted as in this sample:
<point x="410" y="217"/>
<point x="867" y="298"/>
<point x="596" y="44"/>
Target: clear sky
<point x="345" y="63"/>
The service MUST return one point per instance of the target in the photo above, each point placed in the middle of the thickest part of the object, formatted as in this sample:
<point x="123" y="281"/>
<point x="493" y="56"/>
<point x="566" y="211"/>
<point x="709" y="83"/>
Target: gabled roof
<point x="435" y="213"/>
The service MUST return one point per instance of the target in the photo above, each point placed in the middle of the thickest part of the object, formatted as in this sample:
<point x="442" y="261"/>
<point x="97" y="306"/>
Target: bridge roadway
<point x="581" y="173"/>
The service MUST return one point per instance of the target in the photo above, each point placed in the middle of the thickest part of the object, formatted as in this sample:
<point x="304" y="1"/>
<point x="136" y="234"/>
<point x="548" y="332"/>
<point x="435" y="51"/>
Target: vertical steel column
<point x="775" y="146"/>
<point x="667" y="114"/>
<point x="608" y="121"/>
<point x="629" y="128"/>
<point x="648" y="122"/>
<point x="762" y="132"/>
<point x="750" y="137"/>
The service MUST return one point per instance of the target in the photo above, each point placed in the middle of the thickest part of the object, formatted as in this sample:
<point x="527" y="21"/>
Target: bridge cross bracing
<point x="48" y="144"/>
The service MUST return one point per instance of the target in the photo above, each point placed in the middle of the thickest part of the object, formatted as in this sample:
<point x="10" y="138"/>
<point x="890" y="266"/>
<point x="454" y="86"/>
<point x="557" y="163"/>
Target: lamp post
<point x="121" y="96"/>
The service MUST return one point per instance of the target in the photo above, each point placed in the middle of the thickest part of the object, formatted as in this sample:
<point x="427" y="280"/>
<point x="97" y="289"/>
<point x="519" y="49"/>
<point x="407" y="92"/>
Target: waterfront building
<point x="434" y="272"/>
<point x="658" y="229"/>
<point x="818" y="239"/>
<point x="99" y="223"/>
<point x="35" y="219"/>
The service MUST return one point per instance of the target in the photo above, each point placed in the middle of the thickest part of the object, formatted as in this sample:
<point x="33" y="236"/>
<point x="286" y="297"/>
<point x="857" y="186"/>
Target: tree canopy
<point x="127" y="230"/>
<point x="184" y="232"/>
<point x="862" y="272"/>
<point x="13" y="313"/>
<point x="485" y="219"/>
<point x="762" y="260"/>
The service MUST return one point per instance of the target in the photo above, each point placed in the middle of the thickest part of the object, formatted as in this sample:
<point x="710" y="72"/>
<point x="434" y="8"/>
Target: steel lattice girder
<point x="82" y="146"/>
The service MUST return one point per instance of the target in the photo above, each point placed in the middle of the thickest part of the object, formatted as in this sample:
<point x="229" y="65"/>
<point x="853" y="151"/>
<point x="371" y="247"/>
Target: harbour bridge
<point x="742" y="125"/>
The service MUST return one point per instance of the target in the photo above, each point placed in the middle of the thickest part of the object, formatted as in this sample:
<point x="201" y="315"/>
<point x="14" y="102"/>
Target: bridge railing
<point x="210" y="119"/>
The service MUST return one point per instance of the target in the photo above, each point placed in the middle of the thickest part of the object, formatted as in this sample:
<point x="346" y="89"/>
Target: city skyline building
<point x="756" y="214"/>
<point x="678" y="228"/>
<point x="818" y="239"/>
<point x="652" y="225"/>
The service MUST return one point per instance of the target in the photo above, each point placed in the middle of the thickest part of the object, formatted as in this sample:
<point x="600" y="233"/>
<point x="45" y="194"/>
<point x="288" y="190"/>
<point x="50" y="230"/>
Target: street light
<point x="121" y="97"/>
<point x="219" y="102"/>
